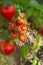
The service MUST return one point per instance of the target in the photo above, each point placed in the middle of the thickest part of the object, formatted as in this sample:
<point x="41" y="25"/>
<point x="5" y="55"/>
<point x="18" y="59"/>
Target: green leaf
<point x="36" y="61"/>
<point x="38" y="22"/>
<point x="37" y="44"/>
<point x="24" y="52"/>
<point x="36" y="5"/>
<point x="29" y="12"/>
<point x="4" y="34"/>
<point x="20" y="2"/>
<point x="1" y="21"/>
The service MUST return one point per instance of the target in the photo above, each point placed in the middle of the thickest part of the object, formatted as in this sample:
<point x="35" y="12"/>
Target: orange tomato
<point x="22" y="38"/>
<point x="11" y="25"/>
<point x="19" y="31"/>
<point x="24" y="28"/>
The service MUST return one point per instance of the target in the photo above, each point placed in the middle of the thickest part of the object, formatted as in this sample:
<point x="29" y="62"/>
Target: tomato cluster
<point x="16" y="28"/>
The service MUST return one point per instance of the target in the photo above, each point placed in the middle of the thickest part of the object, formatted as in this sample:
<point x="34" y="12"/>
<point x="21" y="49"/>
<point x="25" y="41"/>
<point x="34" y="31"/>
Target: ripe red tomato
<point x="19" y="23"/>
<point x="8" y="12"/>
<point x="22" y="38"/>
<point x="13" y="35"/>
<point x="7" y="47"/>
<point x="41" y="31"/>
<point x="11" y="25"/>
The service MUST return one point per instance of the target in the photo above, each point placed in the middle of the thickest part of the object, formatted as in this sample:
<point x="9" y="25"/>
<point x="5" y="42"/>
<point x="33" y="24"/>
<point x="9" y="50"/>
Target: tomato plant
<point x="21" y="31"/>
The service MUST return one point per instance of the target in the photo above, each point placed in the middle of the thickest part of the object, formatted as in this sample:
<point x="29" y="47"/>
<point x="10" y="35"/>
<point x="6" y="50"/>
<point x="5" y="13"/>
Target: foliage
<point x="37" y="44"/>
<point x="36" y="11"/>
<point x="31" y="7"/>
<point x="24" y="52"/>
<point x="36" y="61"/>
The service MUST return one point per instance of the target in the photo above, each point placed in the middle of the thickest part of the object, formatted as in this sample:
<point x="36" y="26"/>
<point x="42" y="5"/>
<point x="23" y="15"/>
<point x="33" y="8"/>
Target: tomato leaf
<point x="24" y="52"/>
<point x="36" y="61"/>
<point x="37" y="43"/>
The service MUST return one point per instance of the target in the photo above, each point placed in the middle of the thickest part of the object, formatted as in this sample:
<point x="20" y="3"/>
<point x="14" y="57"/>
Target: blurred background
<point x="40" y="1"/>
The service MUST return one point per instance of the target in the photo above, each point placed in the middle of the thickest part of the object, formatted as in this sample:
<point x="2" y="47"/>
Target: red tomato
<point x="19" y="23"/>
<point x="11" y="25"/>
<point x="7" y="47"/>
<point x="13" y="35"/>
<point x="41" y="31"/>
<point x="8" y="12"/>
<point x="22" y="38"/>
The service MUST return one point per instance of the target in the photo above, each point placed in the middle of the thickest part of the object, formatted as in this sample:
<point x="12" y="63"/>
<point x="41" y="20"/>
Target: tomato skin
<point x="22" y="38"/>
<point x="8" y="12"/>
<point x="24" y="28"/>
<point x="41" y="31"/>
<point x="11" y="25"/>
<point x="19" y="23"/>
<point x="7" y="47"/>
<point x="19" y="31"/>
<point x="13" y="35"/>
